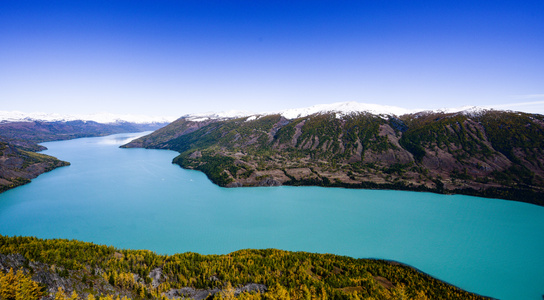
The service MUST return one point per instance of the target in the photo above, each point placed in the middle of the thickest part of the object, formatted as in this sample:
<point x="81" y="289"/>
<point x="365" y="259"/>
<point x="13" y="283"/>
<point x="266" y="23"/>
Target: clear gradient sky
<point x="177" y="57"/>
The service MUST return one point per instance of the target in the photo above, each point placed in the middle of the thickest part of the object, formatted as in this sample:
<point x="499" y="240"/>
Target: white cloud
<point x="528" y="96"/>
<point x="530" y="107"/>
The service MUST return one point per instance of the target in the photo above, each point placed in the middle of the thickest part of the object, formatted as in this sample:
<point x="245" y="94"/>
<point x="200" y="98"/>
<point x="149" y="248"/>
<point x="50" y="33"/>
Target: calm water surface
<point x="135" y="198"/>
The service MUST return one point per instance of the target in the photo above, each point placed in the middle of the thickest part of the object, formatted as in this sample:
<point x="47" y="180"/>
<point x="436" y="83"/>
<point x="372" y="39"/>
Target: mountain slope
<point x="479" y="152"/>
<point x="247" y="274"/>
<point x="18" y="166"/>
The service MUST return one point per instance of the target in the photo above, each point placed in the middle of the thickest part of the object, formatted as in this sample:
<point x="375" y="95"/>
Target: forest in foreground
<point x="32" y="268"/>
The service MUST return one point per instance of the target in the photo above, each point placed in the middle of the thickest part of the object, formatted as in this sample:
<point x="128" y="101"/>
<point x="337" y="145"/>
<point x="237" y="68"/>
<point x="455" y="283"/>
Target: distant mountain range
<point x="472" y="151"/>
<point x="103" y="118"/>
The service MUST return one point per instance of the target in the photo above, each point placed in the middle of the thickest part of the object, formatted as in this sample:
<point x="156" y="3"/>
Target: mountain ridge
<point x="342" y="108"/>
<point x="472" y="151"/>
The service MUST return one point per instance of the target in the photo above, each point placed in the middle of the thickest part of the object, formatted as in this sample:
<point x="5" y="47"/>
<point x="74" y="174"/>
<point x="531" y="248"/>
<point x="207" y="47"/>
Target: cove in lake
<point x="135" y="198"/>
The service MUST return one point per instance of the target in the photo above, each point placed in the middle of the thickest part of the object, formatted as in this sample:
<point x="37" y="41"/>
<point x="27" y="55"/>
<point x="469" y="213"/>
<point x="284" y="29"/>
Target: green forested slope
<point x="489" y="153"/>
<point x="140" y="274"/>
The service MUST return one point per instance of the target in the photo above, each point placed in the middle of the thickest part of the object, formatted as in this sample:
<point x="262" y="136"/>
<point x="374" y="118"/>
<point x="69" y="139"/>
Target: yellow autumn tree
<point x="420" y="295"/>
<point x="18" y="286"/>
<point x="399" y="293"/>
<point x="74" y="296"/>
<point x="228" y="292"/>
<point x="60" y="295"/>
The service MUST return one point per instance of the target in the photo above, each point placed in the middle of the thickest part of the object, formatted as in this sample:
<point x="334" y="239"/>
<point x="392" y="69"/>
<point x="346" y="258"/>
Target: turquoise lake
<point x="136" y="198"/>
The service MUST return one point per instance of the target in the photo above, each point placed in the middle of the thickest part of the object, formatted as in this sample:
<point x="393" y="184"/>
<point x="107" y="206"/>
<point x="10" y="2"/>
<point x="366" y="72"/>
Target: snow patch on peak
<point x="475" y="110"/>
<point x="345" y="108"/>
<point x="457" y="109"/>
<point x="341" y="109"/>
<point x="230" y="114"/>
<point x="465" y="110"/>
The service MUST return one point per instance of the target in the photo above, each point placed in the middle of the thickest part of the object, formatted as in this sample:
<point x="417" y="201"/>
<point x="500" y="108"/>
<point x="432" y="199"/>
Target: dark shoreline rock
<point x="196" y="294"/>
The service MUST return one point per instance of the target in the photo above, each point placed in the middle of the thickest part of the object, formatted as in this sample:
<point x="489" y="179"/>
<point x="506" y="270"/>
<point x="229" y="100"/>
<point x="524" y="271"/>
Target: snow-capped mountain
<point x="230" y="114"/>
<point x="344" y="108"/>
<point x="340" y="108"/>
<point x="104" y="118"/>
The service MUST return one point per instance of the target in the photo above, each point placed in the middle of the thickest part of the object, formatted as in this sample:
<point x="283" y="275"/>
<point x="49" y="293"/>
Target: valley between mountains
<point x="488" y="153"/>
<point x="19" y="162"/>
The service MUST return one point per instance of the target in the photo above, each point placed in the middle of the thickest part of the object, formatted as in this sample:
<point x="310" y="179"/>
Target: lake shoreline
<point x="427" y="274"/>
<point x="138" y="199"/>
<point x="501" y="193"/>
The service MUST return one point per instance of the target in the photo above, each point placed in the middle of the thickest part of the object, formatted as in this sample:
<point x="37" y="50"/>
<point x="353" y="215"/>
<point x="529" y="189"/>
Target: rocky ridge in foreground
<point x="86" y="268"/>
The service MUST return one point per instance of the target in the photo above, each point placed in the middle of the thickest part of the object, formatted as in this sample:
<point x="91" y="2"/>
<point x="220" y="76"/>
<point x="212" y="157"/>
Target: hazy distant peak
<point x="230" y="114"/>
<point x="470" y="111"/>
<point x="112" y="118"/>
<point x="463" y="109"/>
<point x="105" y="118"/>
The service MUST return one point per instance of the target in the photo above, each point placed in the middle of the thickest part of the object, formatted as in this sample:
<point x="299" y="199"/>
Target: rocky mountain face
<point x="82" y="281"/>
<point x="53" y="277"/>
<point x="18" y="166"/>
<point x="486" y="153"/>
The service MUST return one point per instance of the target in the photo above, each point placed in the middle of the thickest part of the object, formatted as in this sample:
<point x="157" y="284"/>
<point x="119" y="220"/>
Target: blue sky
<point x="176" y="57"/>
